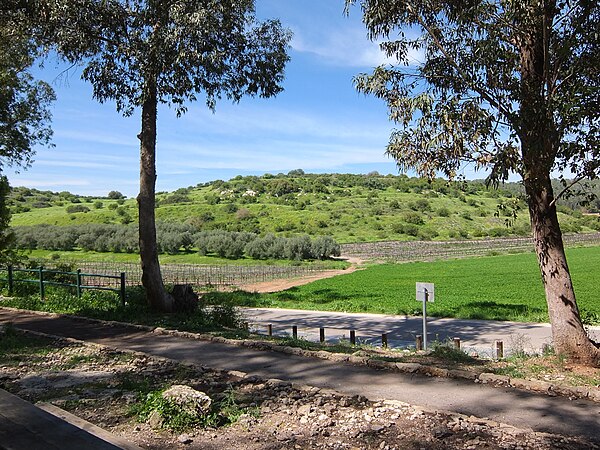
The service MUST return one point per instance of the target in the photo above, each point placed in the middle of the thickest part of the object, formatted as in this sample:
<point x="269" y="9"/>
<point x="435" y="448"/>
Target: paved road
<point x="476" y="335"/>
<point x="521" y="409"/>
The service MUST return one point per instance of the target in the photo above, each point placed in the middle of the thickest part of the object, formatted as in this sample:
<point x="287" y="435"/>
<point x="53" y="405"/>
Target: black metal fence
<point x="78" y="280"/>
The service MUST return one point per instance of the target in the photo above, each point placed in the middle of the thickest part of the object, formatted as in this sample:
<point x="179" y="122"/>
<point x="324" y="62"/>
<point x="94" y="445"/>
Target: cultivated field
<point x="504" y="287"/>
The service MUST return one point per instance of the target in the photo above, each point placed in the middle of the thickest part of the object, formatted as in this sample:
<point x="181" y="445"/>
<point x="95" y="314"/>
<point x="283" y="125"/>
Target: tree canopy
<point x="507" y="86"/>
<point x="140" y="53"/>
<point x="24" y="101"/>
<point x="457" y="93"/>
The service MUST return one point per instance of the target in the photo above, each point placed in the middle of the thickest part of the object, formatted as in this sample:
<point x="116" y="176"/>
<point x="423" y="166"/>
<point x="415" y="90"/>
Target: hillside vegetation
<point x="350" y="208"/>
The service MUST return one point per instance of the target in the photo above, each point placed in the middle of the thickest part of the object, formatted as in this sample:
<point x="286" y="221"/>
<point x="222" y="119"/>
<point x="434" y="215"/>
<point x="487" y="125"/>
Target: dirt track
<point x="282" y="285"/>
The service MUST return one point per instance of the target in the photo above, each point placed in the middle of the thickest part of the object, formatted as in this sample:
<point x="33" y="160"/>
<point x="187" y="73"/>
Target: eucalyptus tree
<point x="24" y="101"/>
<point x="24" y="105"/>
<point x="141" y="53"/>
<point x="507" y="86"/>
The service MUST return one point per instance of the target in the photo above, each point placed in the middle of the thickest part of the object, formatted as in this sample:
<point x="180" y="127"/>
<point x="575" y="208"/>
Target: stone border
<point x="537" y="386"/>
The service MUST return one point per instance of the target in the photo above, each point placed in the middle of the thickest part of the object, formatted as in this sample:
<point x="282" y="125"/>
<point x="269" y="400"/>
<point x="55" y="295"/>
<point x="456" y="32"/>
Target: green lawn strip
<point x="506" y="287"/>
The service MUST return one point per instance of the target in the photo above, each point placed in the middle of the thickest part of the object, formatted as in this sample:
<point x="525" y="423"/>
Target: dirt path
<point x="282" y="285"/>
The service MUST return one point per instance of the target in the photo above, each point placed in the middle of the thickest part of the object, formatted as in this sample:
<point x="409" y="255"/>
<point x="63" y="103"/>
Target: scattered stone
<point x="193" y="402"/>
<point x="185" y="439"/>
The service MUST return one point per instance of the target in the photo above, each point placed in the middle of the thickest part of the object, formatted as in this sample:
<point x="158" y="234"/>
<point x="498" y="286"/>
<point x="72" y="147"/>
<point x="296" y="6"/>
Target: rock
<point x="408" y="367"/>
<point x="304" y="410"/>
<point x="184" y="298"/>
<point x="185" y="439"/>
<point x="155" y="420"/>
<point x="190" y="400"/>
<point x="492" y="378"/>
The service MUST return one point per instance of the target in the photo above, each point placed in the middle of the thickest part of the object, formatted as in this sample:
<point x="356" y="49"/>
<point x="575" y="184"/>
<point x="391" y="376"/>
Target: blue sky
<point x="319" y="123"/>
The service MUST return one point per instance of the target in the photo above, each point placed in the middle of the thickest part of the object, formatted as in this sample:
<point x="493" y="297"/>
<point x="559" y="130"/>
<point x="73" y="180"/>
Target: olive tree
<point x="506" y="86"/>
<point x="141" y="53"/>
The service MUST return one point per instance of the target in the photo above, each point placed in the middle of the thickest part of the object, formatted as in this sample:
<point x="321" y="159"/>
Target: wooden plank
<point x="87" y="426"/>
<point x="24" y="426"/>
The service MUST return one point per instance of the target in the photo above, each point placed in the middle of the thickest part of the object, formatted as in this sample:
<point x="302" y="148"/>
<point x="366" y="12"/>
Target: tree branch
<point x="485" y="95"/>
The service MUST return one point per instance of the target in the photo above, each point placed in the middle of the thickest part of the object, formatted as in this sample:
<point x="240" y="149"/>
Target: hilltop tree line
<point x="173" y="239"/>
<point x="286" y="188"/>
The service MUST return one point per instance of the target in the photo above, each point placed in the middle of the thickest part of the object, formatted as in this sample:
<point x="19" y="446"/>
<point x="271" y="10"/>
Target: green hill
<point x="351" y="208"/>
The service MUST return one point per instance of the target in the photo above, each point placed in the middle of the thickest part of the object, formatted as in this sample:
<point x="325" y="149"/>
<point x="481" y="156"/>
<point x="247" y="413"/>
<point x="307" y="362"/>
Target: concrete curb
<point x="537" y="386"/>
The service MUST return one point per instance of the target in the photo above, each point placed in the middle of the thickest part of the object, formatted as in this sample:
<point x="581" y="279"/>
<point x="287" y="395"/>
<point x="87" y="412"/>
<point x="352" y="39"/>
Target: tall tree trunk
<point x="568" y="333"/>
<point x="539" y="143"/>
<point x="156" y="295"/>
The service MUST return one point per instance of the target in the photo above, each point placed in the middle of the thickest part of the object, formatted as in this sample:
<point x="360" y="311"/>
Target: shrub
<point x="72" y="209"/>
<point x="115" y="195"/>
<point x="324" y="247"/>
<point x="230" y="208"/>
<point x="443" y="212"/>
<point x="413" y="218"/>
<point x="298" y="248"/>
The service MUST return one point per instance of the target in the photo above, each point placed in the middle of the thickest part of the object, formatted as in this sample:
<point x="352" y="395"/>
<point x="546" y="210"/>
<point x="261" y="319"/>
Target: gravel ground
<point x="101" y="385"/>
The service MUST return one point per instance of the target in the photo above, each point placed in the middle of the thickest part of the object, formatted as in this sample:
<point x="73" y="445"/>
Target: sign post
<point x="425" y="293"/>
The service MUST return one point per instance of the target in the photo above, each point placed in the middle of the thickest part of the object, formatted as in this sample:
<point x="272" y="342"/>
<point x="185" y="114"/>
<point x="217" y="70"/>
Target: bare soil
<point x="281" y="285"/>
<point x="101" y="385"/>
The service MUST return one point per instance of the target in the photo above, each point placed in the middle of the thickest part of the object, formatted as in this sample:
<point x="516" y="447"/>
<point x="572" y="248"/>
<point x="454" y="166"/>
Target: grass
<point x="16" y="348"/>
<point x="223" y="319"/>
<point x="506" y="287"/>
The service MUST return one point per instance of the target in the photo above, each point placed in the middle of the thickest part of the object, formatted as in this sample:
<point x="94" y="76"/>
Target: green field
<point x="505" y="287"/>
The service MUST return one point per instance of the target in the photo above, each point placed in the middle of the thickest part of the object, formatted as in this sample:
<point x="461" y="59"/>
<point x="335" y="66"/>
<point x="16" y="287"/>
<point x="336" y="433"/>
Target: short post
<point x="419" y="343"/>
<point x="353" y="337"/>
<point x="270" y="330"/>
<point x="456" y="343"/>
<point x="41" y="275"/>
<point x="499" y="349"/>
<point x="10" y="280"/>
<point x="295" y="332"/>
<point x="123" y="288"/>
<point x="321" y="335"/>
<point x="78" y="283"/>
<point x="384" y="340"/>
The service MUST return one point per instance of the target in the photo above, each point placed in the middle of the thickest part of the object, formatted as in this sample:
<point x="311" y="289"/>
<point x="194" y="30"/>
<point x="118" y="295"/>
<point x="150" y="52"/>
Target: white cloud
<point x="99" y="137"/>
<point x="244" y="121"/>
<point x="347" y="47"/>
<point x="262" y="157"/>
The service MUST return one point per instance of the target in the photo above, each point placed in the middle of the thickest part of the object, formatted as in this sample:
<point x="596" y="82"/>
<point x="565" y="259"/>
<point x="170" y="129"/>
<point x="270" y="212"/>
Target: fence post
<point x="270" y="329"/>
<point x="384" y="340"/>
<point x="122" y="288"/>
<point x="78" y="283"/>
<point x="295" y="332"/>
<point x="41" y="274"/>
<point x="419" y="343"/>
<point x="353" y="337"/>
<point x="456" y="343"/>
<point x="499" y="349"/>
<point x="10" y="280"/>
<point x="321" y="335"/>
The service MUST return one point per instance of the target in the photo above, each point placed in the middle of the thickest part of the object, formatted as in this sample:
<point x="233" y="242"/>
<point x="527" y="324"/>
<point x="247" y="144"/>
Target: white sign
<point x="425" y="291"/>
